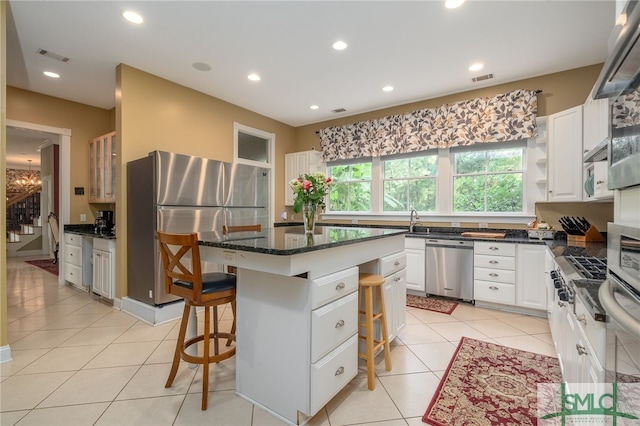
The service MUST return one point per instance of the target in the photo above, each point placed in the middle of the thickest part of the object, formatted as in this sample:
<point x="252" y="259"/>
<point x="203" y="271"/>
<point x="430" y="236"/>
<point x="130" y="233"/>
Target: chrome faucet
<point x="413" y="219"/>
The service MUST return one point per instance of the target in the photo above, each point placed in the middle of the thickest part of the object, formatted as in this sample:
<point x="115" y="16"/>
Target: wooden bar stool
<point x="183" y="277"/>
<point x="367" y="283"/>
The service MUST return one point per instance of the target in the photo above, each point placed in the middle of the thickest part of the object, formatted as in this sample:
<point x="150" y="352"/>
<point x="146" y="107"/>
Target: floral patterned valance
<point x="626" y="110"/>
<point x="500" y="118"/>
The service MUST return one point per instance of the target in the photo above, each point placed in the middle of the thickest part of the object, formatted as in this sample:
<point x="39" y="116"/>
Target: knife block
<point x="592" y="235"/>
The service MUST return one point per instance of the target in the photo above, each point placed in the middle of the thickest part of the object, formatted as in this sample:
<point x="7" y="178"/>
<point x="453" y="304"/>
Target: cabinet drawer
<point x="333" y="286"/>
<point x="495" y="275"/>
<point x="494" y="262"/>
<point x="497" y="249"/>
<point x="414" y="243"/>
<point x="332" y="324"/>
<point x="73" y="255"/>
<point x="103" y="244"/>
<point x="494" y="292"/>
<point x="392" y="263"/>
<point x="595" y="331"/>
<point x="73" y="239"/>
<point x="333" y="372"/>
<point x="73" y="274"/>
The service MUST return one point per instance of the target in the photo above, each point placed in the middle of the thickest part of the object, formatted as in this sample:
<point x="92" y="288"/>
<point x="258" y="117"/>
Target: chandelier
<point x="28" y="178"/>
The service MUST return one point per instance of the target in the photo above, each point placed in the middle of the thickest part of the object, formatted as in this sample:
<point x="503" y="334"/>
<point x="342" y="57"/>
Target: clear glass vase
<point x="309" y="216"/>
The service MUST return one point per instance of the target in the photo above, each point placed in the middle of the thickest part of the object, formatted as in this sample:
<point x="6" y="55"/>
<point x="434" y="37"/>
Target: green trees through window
<point x="410" y="183"/>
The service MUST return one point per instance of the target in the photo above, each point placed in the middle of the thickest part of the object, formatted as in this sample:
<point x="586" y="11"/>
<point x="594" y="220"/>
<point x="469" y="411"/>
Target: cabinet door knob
<point x="340" y="324"/>
<point x="339" y="371"/>
<point x="340" y="286"/>
<point x="581" y="349"/>
<point x="582" y="318"/>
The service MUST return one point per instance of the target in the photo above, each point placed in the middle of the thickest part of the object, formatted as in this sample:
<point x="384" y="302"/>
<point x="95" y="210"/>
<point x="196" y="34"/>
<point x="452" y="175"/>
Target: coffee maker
<point x="104" y="222"/>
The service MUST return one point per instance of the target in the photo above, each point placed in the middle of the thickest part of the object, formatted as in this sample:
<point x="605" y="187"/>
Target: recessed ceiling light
<point x="133" y="17"/>
<point x="339" y="45"/>
<point x="453" y="4"/>
<point x="253" y="77"/>
<point x="201" y="66"/>
<point x="476" y="67"/>
<point x="51" y="74"/>
<point x="387" y="88"/>
<point x="314" y="107"/>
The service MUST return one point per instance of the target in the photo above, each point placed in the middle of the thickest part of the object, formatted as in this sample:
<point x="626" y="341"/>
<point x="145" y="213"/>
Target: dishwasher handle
<point x="450" y="243"/>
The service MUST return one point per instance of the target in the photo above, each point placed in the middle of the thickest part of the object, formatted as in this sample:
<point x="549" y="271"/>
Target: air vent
<point x="482" y="78"/>
<point x="338" y="110"/>
<point x="53" y="55"/>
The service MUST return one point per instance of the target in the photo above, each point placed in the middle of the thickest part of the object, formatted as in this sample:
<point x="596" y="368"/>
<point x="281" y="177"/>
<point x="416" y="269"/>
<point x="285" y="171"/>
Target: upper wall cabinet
<point x="296" y="164"/>
<point x="596" y="123"/>
<point x="102" y="169"/>
<point x="565" y="155"/>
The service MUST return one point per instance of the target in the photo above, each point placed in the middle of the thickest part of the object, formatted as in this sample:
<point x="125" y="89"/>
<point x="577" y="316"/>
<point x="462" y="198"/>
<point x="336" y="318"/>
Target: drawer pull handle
<point x="339" y="371"/>
<point x="561" y="304"/>
<point x="581" y="349"/>
<point x="493" y="262"/>
<point x="493" y="287"/>
<point x="493" y="248"/>
<point x="340" y="324"/>
<point x="583" y="319"/>
<point x="396" y="279"/>
<point x="396" y="263"/>
<point x="493" y="274"/>
<point x="340" y="286"/>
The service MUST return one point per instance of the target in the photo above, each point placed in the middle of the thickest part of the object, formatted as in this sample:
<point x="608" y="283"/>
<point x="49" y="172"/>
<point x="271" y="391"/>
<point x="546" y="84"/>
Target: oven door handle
<point x="615" y="311"/>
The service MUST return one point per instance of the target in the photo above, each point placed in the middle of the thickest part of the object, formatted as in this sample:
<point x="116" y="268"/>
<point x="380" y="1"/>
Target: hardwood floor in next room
<point x="77" y="361"/>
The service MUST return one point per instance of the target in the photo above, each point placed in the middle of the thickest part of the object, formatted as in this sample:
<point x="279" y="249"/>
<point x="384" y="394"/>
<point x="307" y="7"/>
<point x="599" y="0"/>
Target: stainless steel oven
<point x="620" y="297"/>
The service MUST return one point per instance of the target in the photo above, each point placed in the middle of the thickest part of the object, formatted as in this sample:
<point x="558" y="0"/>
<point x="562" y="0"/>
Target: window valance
<point x="505" y="117"/>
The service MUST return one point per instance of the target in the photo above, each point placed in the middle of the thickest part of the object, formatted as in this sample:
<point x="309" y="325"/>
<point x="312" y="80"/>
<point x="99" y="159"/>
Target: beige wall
<point x="156" y="114"/>
<point x="84" y="121"/>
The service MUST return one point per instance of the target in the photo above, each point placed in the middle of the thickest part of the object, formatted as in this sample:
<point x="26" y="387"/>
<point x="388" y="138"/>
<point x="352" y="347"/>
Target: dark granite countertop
<point x="290" y="240"/>
<point x="87" y="230"/>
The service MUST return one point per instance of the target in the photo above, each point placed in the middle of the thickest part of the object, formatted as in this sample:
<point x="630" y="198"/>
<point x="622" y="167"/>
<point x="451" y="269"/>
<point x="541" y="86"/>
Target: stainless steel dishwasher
<point x="449" y="268"/>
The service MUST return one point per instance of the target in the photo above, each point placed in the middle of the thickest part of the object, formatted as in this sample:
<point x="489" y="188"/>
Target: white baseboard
<point x="5" y="354"/>
<point x="154" y="315"/>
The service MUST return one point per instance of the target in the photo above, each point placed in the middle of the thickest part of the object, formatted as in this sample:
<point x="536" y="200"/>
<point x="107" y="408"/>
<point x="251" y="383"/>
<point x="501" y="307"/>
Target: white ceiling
<point x="419" y="47"/>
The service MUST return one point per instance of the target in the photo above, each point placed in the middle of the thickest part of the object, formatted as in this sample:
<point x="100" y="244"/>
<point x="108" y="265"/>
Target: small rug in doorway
<point x="431" y="304"/>
<point x="492" y="384"/>
<point x="46" y="264"/>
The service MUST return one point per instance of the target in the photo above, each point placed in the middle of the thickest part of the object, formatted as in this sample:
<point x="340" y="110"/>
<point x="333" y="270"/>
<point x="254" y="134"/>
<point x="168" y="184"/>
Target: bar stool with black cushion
<point x="367" y="284"/>
<point x="184" y="278"/>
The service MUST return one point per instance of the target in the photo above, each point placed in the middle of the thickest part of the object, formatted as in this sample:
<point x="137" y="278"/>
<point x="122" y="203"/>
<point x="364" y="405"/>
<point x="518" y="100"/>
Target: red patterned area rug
<point x="489" y="384"/>
<point x="431" y="304"/>
<point x="46" y="264"/>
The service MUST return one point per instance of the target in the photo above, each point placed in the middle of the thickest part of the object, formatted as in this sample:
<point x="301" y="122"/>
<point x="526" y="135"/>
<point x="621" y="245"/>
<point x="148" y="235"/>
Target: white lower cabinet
<point x="531" y="264"/>
<point x="494" y="276"/>
<point x="77" y="255"/>
<point x="104" y="259"/>
<point x="415" y="273"/>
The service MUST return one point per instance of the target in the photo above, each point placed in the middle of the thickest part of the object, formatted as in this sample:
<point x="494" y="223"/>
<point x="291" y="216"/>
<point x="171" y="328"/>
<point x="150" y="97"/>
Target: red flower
<point x="306" y="185"/>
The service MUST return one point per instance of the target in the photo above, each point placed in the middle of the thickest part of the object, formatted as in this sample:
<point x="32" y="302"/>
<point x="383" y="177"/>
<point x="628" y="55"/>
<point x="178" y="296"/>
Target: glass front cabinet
<point x="102" y="169"/>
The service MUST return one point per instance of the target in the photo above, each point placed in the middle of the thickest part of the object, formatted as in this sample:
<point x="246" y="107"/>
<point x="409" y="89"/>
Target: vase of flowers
<point x="309" y="190"/>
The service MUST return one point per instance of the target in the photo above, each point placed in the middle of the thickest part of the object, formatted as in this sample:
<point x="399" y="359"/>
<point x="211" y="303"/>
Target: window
<point x="410" y="183"/>
<point x="253" y="146"/>
<point x="489" y="180"/>
<point x="351" y="188"/>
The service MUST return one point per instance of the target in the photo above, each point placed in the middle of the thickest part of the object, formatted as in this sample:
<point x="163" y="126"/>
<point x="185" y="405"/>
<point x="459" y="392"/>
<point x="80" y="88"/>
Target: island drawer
<point x="332" y="373"/>
<point x="494" y="292"/>
<point x="73" y="274"/>
<point x="496" y="249"/>
<point x="392" y="263"/>
<point x="73" y="239"/>
<point x="73" y="255"/>
<point x="495" y="275"/>
<point x="333" y="286"/>
<point x="332" y="324"/>
<point x="492" y="261"/>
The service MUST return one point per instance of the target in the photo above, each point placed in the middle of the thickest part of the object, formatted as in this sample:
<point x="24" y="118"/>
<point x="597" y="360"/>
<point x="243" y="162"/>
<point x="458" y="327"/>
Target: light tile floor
<point x="78" y="361"/>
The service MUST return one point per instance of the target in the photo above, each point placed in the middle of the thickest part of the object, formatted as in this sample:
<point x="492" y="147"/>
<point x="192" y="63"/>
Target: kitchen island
<point x="297" y="311"/>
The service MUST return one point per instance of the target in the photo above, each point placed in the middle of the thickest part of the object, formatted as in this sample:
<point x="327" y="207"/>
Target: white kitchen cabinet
<point x="531" y="265"/>
<point x="102" y="169"/>
<point x="494" y="275"/>
<point x="77" y="268"/>
<point x="104" y="259"/>
<point x="595" y="124"/>
<point x="564" y="150"/>
<point x="415" y="270"/>
<point x="297" y="163"/>
<point x="601" y="180"/>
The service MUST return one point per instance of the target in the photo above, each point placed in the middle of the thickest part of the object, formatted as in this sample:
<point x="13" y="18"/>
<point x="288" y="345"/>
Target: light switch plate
<point x="83" y="217"/>
<point x="455" y="224"/>
<point x="483" y="225"/>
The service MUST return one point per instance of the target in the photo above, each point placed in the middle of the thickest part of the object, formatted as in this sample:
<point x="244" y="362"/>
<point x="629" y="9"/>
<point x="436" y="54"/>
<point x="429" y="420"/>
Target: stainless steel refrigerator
<point x="181" y="194"/>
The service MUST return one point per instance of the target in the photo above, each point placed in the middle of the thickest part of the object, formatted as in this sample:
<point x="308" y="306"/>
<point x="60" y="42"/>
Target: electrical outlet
<point x="83" y="217"/>
<point x="293" y="217"/>
<point x="354" y="221"/>
<point x="150" y="294"/>
<point x="455" y="224"/>
<point x="483" y="225"/>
